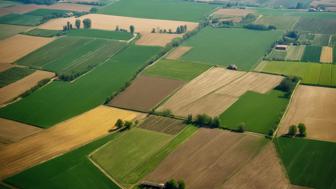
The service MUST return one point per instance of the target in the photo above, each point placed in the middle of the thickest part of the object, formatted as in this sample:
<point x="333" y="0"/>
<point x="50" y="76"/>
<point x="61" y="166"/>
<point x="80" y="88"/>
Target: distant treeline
<point x="48" y="2"/>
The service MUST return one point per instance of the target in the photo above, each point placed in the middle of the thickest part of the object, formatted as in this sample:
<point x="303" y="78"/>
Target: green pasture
<point x="69" y="55"/>
<point x="43" y="32"/>
<point x="13" y="74"/>
<point x="281" y="22"/>
<point x="130" y="157"/>
<point x="312" y="54"/>
<point x="60" y="100"/>
<point x="176" y="69"/>
<point x="308" y="163"/>
<point x="159" y="9"/>
<point x="21" y="19"/>
<point x="311" y="73"/>
<point x="242" y="47"/>
<point x="260" y="112"/>
<point x="103" y="34"/>
<point x="10" y="30"/>
<point x="71" y="170"/>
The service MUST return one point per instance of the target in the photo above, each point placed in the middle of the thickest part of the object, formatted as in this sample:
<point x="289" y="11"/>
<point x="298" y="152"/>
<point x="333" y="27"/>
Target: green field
<point x="21" y="19"/>
<point x="260" y="112"/>
<point x="277" y="55"/>
<point x="242" y="47"/>
<point x="323" y="25"/>
<point x="43" y="32"/>
<point x="8" y="3"/>
<point x="159" y="9"/>
<point x="103" y="34"/>
<point x="311" y="73"/>
<point x="13" y="74"/>
<point x="130" y="157"/>
<point x="312" y="54"/>
<point x="47" y="12"/>
<point x="71" y="170"/>
<point x="281" y="22"/>
<point x="176" y="69"/>
<point x="295" y="53"/>
<point x="60" y="100"/>
<point x="10" y="30"/>
<point x="69" y="55"/>
<point x="321" y="40"/>
<point x="308" y="163"/>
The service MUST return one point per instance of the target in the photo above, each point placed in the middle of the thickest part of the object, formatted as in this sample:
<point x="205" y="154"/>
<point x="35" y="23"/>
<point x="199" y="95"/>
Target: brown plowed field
<point x="12" y="131"/>
<point x="208" y="158"/>
<point x="145" y="93"/>
<point x="178" y="52"/>
<point x="108" y="22"/>
<point x="326" y="55"/>
<point x="163" y="124"/>
<point x="16" y="47"/>
<point x="232" y="12"/>
<point x="69" y="6"/>
<point x="156" y="39"/>
<point x="4" y="67"/>
<point x="18" y="9"/>
<point x="216" y="90"/>
<point x="263" y="172"/>
<point x="316" y="108"/>
<point x="15" y="89"/>
<point x="59" y="139"/>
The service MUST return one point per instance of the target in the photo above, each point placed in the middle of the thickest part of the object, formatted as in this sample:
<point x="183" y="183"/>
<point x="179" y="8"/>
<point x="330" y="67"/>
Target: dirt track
<point x="315" y="107"/>
<point x="12" y="131"/>
<point x="326" y="55"/>
<point x="145" y="93"/>
<point x="178" y="52"/>
<point x="16" y="47"/>
<point x="15" y="89"/>
<point x="216" y="90"/>
<point x="59" y="139"/>
<point x="208" y="158"/>
<point x="156" y="39"/>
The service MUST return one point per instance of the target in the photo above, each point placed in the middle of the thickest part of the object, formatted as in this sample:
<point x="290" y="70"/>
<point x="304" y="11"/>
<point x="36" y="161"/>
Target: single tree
<point x="189" y="119"/>
<point x="132" y="29"/>
<point x="119" y="123"/>
<point x="215" y="122"/>
<point x="271" y="132"/>
<point x="68" y="25"/>
<point x="241" y="127"/>
<point x="292" y="130"/>
<point x="93" y="10"/>
<point x="128" y="125"/>
<point x="302" y="130"/>
<point x="117" y="28"/>
<point x="172" y="184"/>
<point x="78" y="23"/>
<point x="87" y="23"/>
<point x="153" y="30"/>
<point x="181" y="184"/>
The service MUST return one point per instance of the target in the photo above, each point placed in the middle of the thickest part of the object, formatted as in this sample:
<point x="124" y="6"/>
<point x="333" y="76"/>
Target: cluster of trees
<point x="259" y="27"/>
<point x="179" y="30"/>
<point x="47" y="2"/>
<point x="288" y="85"/>
<point x="290" y="37"/>
<point x="299" y="130"/>
<point x="86" y="24"/>
<point x="203" y="120"/>
<point x="131" y="29"/>
<point x="173" y="184"/>
<point x="125" y="125"/>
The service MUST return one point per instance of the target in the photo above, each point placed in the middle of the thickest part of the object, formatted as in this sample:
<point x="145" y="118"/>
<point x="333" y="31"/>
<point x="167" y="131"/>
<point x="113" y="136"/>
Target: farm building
<point x="281" y="47"/>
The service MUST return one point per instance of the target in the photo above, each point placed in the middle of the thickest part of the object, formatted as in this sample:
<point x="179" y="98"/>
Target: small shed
<point x="232" y="67"/>
<point x="152" y="185"/>
<point x="281" y="47"/>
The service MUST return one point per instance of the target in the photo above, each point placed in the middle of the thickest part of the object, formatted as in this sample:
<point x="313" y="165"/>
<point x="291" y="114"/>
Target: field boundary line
<point x="286" y="111"/>
<point x="8" y="185"/>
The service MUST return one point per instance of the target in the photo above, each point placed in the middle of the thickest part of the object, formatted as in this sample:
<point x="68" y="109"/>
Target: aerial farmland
<point x="167" y="94"/>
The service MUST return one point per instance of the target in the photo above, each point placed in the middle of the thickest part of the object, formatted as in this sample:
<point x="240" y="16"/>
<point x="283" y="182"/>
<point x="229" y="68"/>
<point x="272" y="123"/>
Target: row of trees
<point x="259" y="27"/>
<point x="86" y="24"/>
<point x="203" y="120"/>
<point x="179" y="30"/>
<point x="299" y="130"/>
<point x="173" y="184"/>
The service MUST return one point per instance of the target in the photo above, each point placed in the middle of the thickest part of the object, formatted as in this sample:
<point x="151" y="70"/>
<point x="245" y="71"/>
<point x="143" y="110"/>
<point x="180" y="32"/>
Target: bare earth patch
<point x="178" y="52"/>
<point x="59" y="139"/>
<point x="15" y="89"/>
<point x="216" y="90"/>
<point x="156" y="39"/>
<point x="263" y="172"/>
<point x="326" y="55"/>
<point x="12" y="131"/>
<point x="208" y="158"/>
<point x="108" y="22"/>
<point x="163" y="124"/>
<point x="315" y="107"/>
<point x="16" y="47"/>
<point x="233" y="12"/>
<point x="145" y="93"/>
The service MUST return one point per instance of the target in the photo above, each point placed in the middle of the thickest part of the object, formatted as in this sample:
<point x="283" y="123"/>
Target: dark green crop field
<point x="242" y="47"/>
<point x="13" y="74"/>
<point x="43" y="32"/>
<point x="69" y="55"/>
<point x="103" y="34"/>
<point x="312" y="54"/>
<point x="176" y="69"/>
<point x="159" y="9"/>
<point x="71" y="170"/>
<point x="62" y="100"/>
<point x="21" y="19"/>
<point x="308" y="163"/>
<point x="260" y="112"/>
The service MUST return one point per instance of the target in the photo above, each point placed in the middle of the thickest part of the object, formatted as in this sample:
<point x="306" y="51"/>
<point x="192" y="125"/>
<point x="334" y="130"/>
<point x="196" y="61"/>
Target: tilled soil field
<point x="163" y="124"/>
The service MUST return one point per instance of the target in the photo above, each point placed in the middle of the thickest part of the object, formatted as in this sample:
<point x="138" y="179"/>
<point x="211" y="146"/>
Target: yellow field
<point x="326" y="55"/>
<point x="156" y="39"/>
<point x="59" y="139"/>
<point x="16" y="47"/>
<point x="178" y="52"/>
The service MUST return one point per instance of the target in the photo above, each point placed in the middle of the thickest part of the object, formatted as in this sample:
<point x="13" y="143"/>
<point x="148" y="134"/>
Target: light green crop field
<point x="103" y="34"/>
<point x="13" y="74"/>
<point x="311" y="73"/>
<point x="260" y="112"/>
<point x="43" y="32"/>
<point x="10" y="30"/>
<point x="277" y="55"/>
<point x="308" y="163"/>
<point x="69" y="55"/>
<point x="71" y="170"/>
<point x="321" y="40"/>
<point x="159" y="9"/>
<point x="312" y="54"/>
<point x="295" y="53"/>
<point x="281" y="22"/>
<point x="60" y="100"/>
<point x="133" y="155"/>
<point x="242" y="47"/>
<point x="21" y="19"/>
<point x="176" y="69"/>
